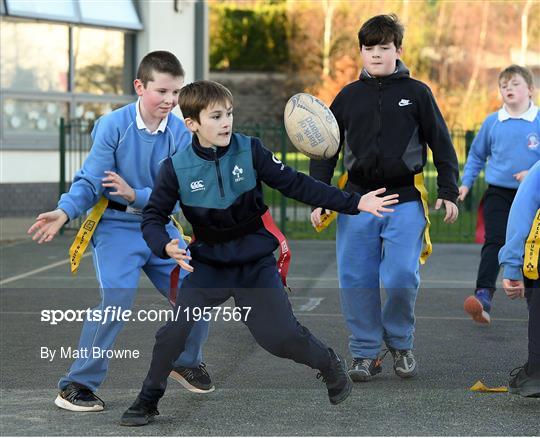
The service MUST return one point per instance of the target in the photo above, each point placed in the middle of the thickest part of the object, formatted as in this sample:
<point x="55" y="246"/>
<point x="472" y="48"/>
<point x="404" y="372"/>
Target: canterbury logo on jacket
<point x="221" y="188"/>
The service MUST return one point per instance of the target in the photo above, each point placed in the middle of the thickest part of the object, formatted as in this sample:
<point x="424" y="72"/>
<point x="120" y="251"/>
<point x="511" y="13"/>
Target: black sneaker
<point x="193" y="379"/>
<point x="337" y="380"/>
<point x="405" y="365"/>
<point x="78" y="398"/>
<point x="524" y="384"/>
<point x="362" y="370"/>
<point x="140" y="413"/>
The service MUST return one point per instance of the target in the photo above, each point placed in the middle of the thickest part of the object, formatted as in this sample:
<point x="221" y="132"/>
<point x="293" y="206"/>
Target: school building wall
<point x="29" y="163"/>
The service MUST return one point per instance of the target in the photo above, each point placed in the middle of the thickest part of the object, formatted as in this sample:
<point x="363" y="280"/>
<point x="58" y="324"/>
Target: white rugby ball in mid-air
<point x="311" y="126"/>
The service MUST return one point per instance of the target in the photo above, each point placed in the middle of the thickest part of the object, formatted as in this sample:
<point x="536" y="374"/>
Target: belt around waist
<point x="113" y="205"/>
<point x="222" y="235"/>
<point x="389" y="183"/>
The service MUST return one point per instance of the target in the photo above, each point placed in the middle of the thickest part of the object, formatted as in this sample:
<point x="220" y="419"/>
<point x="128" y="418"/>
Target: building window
<point x="35" y="56"/>
<point x="53" y="70"/>
<point x="99" y="61"/>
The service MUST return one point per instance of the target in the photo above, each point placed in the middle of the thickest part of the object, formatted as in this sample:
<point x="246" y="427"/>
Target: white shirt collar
<point x="141" y="124"/>
<point x="528" y="115"/>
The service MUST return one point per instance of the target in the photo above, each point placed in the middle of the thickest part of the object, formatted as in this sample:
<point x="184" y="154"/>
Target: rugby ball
<point x="311" y="126"/>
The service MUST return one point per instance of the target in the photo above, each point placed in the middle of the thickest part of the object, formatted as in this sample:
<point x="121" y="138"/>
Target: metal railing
<point x="293" y="216"/>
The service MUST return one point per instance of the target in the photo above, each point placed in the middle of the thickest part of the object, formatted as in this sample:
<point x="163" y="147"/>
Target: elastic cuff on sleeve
<point x="513" y="272"/>
<point x="141" y="198"/>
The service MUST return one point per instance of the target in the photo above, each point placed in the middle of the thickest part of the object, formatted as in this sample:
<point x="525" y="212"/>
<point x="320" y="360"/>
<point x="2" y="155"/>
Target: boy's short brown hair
<point x="159" y="61"/>
<point x="198" y="95"/>
<point x="515" y="69"/>
<point x="381" y="29"/>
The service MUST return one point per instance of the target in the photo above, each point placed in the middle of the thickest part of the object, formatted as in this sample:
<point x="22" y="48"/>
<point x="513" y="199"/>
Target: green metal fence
<point x="293" y="216"/>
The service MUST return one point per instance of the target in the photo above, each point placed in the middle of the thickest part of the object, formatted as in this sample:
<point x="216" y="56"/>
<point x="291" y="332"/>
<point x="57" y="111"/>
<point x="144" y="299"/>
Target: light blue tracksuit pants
<point x="371" y="251"/>
<point x="120" y="253"/>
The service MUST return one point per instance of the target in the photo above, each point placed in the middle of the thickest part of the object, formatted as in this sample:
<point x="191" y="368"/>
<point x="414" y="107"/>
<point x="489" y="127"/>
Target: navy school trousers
<point x="271" y="321"/>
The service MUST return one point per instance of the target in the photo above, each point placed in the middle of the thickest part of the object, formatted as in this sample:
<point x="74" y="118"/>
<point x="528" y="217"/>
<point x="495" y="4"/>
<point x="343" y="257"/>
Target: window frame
<point x="48" y="141"/>
<point x="77" y="17"/>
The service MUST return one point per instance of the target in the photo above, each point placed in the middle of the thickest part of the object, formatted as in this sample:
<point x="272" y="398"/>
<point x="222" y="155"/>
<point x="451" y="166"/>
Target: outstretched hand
<point x="372" y="203"/>
<point x="47" y="225"/>
<point x="178" y="254"/>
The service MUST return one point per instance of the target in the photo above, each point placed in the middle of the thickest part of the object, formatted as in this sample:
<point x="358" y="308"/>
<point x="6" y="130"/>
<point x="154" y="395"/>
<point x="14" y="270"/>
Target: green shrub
<point x="248" y="38"/>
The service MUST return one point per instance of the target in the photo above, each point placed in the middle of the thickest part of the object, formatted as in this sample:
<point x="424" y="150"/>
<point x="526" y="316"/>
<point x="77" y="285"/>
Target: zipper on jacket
<point x="379" y="131"/>
<point x="218" y="170"/>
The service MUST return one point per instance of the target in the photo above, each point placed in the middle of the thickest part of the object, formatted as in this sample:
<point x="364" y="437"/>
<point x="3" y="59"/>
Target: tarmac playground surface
<point x="256" y="393"/>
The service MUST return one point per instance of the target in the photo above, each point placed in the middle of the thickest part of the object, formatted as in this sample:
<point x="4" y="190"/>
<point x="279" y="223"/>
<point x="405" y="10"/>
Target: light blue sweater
<point x="133" y="153"/>
<point x="509" y="146"/>
<point x="525" y="205"/>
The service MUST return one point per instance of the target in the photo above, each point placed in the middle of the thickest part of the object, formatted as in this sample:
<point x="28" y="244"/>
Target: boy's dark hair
<point x="514" y="69"/>
<point x="159" y="61"/>
<point x="381" y="29"/>
<point x="198" y="95"/>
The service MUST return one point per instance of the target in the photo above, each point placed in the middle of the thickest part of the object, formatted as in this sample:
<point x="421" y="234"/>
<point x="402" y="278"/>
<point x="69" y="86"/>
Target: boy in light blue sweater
<point x="128" y="148"/>
<point x="519" y="259"/>
<point x="509" y="140"/>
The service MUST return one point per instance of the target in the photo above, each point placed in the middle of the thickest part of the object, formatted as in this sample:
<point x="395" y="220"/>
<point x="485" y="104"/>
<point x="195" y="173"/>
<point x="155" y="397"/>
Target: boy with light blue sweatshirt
<point x="128" y="148"/>
<point x="520" y="258"/>
<point x="509" y="140"/>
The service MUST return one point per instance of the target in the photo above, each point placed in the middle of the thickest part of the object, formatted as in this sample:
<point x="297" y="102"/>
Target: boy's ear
<point x="139" y="87"/>
<point x="191" y="124"/>
<point x="399" y="52"/>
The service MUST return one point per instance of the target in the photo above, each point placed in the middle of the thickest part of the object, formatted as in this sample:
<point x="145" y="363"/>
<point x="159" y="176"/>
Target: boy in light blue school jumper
<point x="128" y="148"/>
<point x="520" y="259"/>
<point x="509" y="140"/>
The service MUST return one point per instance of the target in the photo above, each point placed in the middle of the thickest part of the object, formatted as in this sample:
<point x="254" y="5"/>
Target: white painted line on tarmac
<point x="38" y="270"/>
<point x="309" y="305"/>
<point x="64" y="277"/>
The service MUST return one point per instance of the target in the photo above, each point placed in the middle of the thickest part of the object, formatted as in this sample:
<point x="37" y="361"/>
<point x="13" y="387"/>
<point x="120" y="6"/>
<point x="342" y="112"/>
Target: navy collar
<point x="208" y="153"/>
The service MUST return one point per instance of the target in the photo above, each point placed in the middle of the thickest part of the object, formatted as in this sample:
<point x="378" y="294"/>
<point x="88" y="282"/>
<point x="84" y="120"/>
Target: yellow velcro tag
<point x="427" y="248"/>
<point x="79" y="245"/>
<point x="532" y="250"/>
<point x="177" y="224"/>
<point x="328" y="218"/>
<point x="480" y="387"/>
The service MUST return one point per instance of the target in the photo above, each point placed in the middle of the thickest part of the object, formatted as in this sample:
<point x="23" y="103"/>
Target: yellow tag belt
<point x="532" y="250"/>
<point x="427" y="248"/>
<point x="79" y="245"/>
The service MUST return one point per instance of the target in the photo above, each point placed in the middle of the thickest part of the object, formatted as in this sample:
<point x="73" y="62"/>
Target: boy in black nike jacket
<point x="386" y="120"/>
<point x="218" y="181"/>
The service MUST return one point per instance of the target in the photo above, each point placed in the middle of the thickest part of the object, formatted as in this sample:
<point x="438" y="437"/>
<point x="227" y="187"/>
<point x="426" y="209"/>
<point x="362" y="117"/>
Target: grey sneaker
<point x="405" y="365"/>
<point x="362" y="370"/>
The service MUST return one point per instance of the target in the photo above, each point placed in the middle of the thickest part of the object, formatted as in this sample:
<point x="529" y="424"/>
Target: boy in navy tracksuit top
<point x="386" y="120"/>
<point x="509" y="140"/>
<point x="128" y="146"/>
<point x="520" y="258"/>
<point x="218" y="181"/>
